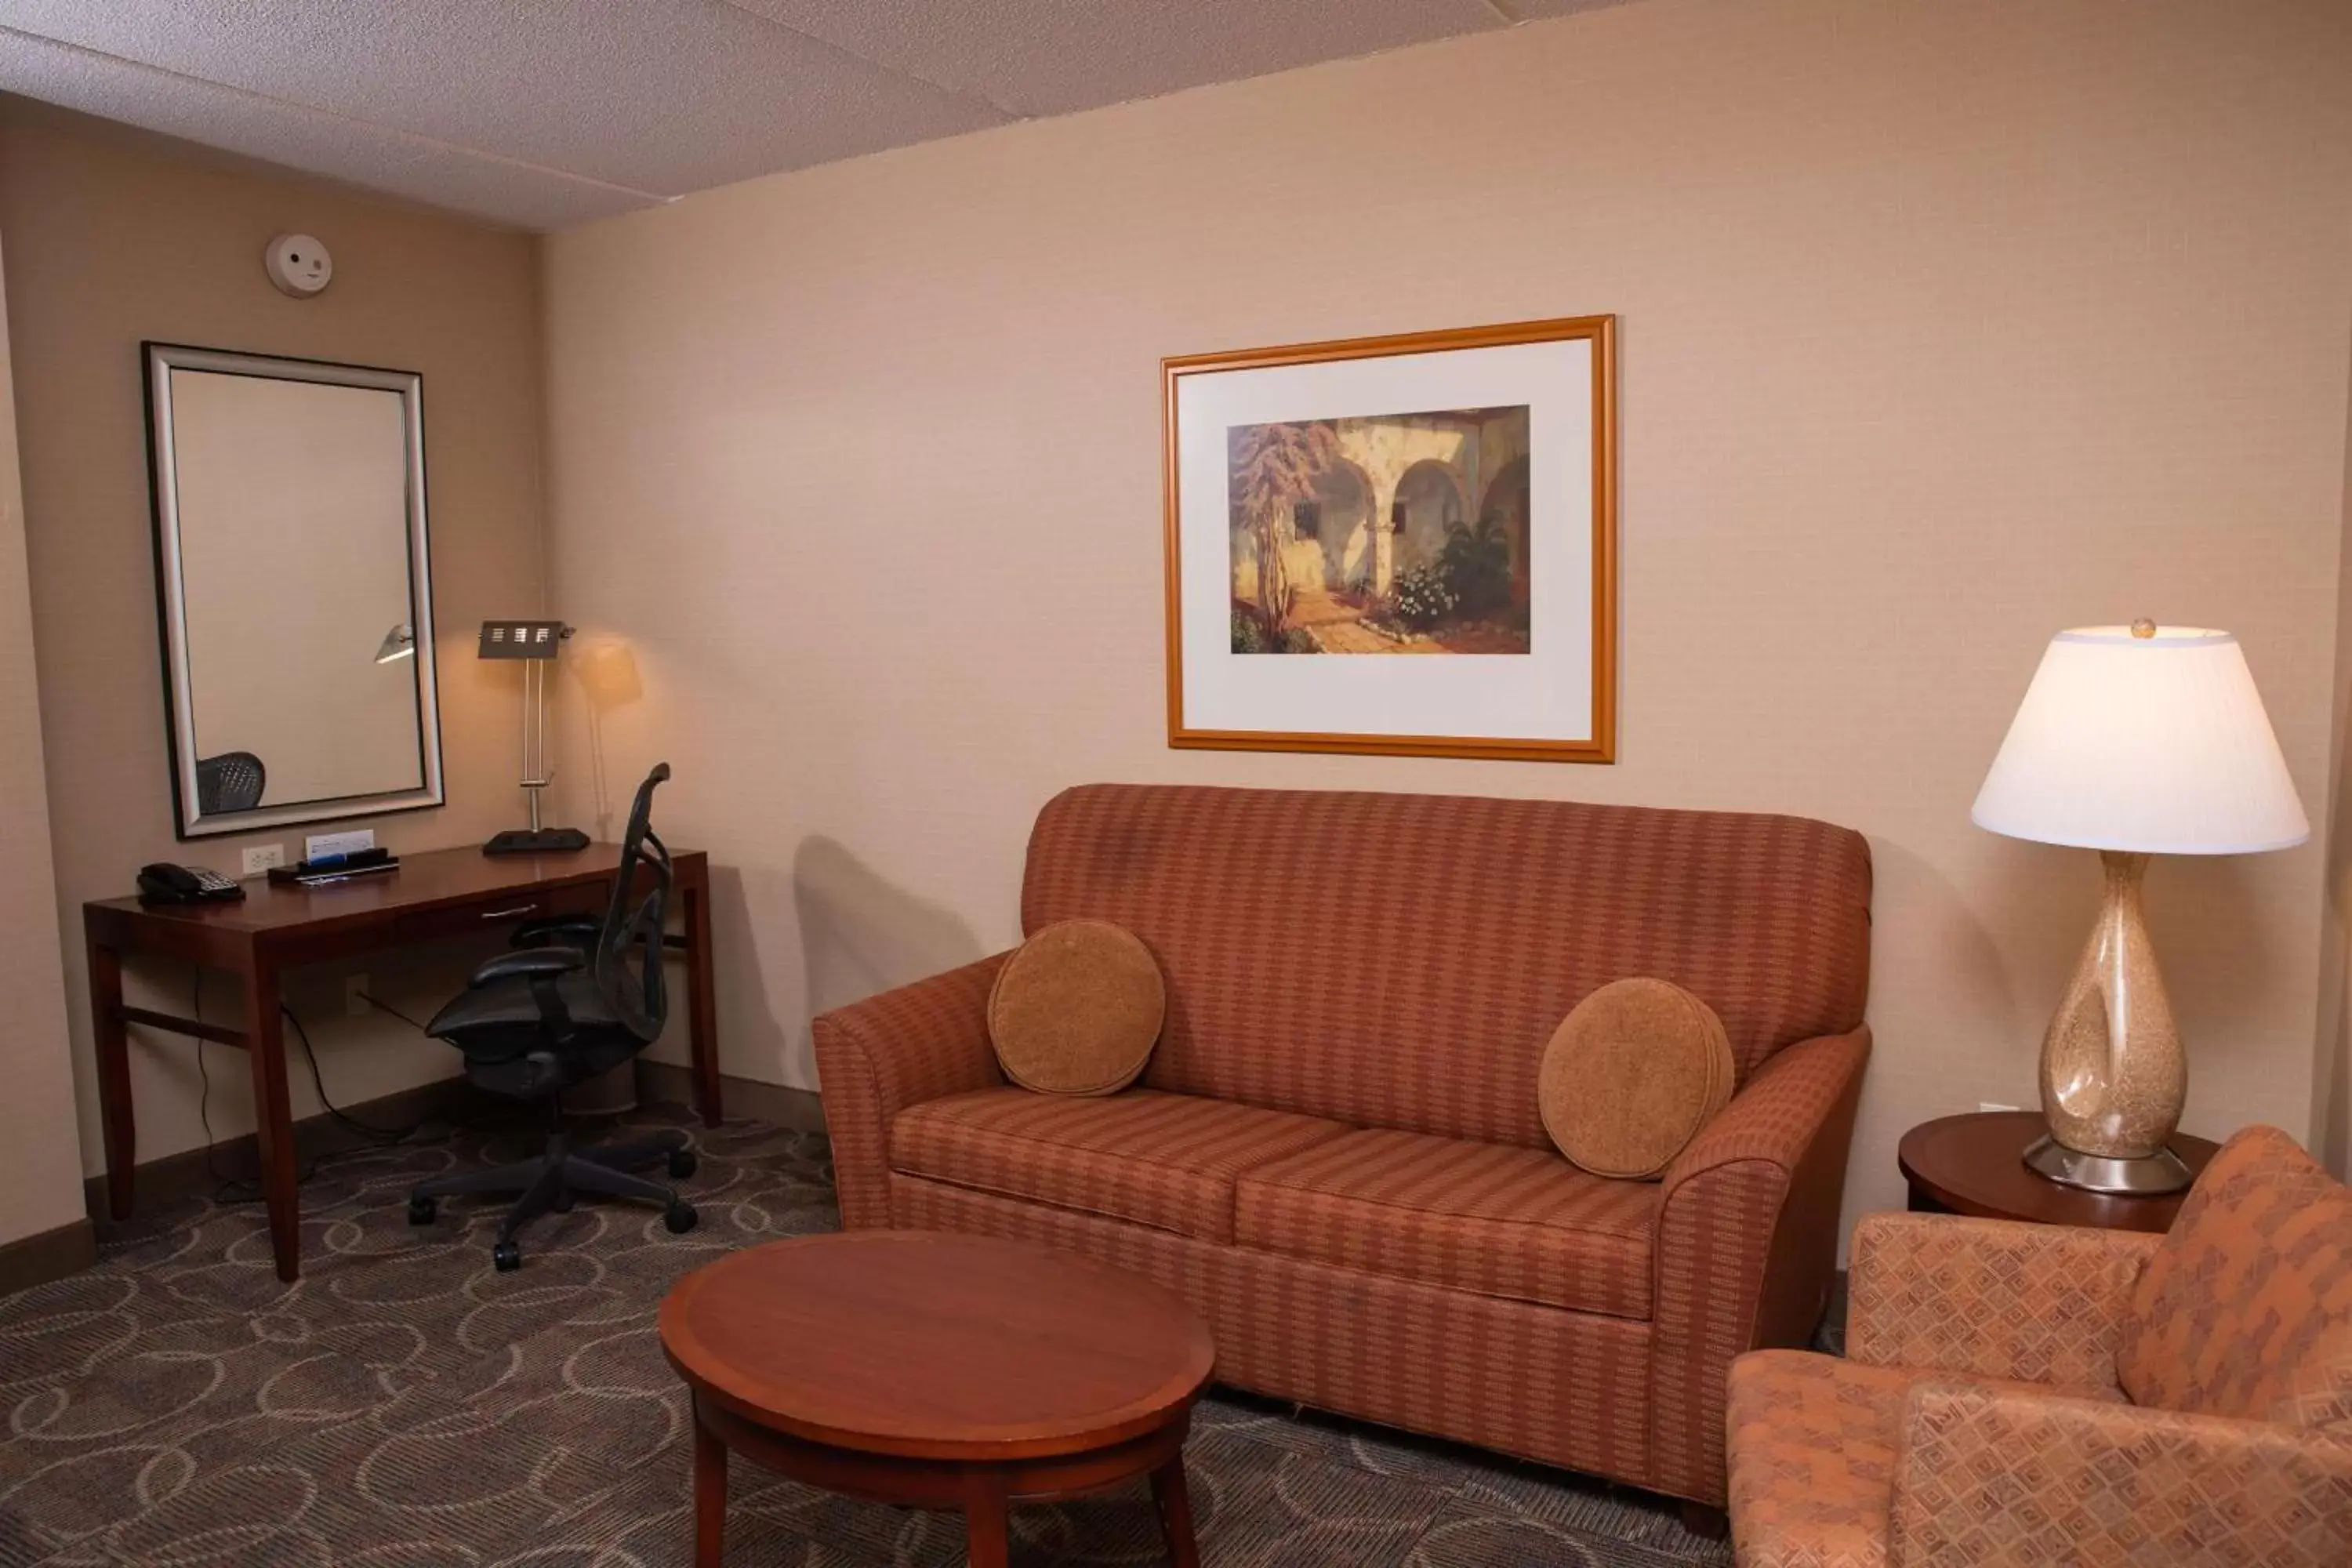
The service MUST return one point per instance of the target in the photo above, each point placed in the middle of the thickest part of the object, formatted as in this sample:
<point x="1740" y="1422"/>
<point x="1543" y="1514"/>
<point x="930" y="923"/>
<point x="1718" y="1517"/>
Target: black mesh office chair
<point x="231" y="781"/>
<point x="535" y="1021"/>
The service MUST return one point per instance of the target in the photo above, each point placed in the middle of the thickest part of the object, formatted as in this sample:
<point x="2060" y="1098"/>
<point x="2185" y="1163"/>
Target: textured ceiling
<point x="541" y="113"/>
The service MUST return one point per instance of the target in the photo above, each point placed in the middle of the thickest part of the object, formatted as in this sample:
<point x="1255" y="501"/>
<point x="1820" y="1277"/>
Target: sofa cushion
<point x="1463" y="930"/>
<point x="1077" y="1009"/>
<point x="1167" y="1161"/>
<point x="2245" y="1307"/>
<point x="1520" y="1224"/>
<point x="1630" y="1074"/>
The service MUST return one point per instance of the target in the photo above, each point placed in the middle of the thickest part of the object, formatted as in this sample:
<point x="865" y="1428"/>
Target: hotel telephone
<point x="164" y="883"/>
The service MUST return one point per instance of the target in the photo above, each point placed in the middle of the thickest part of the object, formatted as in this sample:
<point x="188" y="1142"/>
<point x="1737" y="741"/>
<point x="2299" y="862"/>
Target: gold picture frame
<point x="1357" y="609"/>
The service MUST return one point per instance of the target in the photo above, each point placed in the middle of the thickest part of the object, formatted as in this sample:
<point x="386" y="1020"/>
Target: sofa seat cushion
<point x="1494" y="1219"/>
<point x="1813" y="1447"/>
<point x="1167" y="1161"/>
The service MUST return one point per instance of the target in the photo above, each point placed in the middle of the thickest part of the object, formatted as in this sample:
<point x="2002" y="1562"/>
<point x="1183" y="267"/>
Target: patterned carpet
<point x="405" y="1406"/>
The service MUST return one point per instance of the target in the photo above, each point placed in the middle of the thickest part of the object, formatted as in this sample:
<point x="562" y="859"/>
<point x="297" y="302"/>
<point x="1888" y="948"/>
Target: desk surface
<point x="424" y="881"/>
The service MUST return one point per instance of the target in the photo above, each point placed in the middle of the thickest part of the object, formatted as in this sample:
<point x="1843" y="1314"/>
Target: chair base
<point x="549" y="1183"/>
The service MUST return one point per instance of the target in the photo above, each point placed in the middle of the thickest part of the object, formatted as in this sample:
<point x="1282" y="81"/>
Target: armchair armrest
<point x="1747" y="1244"/>
<point x="875" y="1058"/>
<point x="2005" y="1475"/>
<point x="530" y="960"/>
<point x="2033" y="1303"/>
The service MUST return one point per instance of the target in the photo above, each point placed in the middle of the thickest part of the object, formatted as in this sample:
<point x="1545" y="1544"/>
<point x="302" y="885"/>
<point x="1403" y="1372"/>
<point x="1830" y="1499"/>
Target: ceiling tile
<point x="661" y="96"/>
<point x="1051" y="57"/>
<point x="363" y="156"/>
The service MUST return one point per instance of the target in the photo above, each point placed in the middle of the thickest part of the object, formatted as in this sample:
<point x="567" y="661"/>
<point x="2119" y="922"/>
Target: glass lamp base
<point x="2152" y="1175"/>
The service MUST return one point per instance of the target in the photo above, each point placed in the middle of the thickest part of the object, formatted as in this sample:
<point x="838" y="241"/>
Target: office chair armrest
<point x="580" y="930"/>
<point x="530" y="960"/>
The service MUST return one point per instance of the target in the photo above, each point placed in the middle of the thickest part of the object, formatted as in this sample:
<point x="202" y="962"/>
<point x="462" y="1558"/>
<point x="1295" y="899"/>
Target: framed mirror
<point x="294" y="586"/>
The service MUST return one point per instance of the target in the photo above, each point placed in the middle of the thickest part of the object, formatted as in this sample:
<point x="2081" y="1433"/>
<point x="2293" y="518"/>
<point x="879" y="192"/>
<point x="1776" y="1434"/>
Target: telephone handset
<point x="164" y="883"/>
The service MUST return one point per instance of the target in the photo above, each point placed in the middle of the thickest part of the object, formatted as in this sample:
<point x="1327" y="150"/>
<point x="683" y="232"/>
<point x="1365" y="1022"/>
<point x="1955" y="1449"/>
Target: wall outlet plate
<point x="259" y="858"/>
<point x="321" y="844"/>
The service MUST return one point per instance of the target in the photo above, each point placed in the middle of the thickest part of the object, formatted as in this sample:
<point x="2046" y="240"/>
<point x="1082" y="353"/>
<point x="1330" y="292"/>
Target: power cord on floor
<point x="229" y="1190"/>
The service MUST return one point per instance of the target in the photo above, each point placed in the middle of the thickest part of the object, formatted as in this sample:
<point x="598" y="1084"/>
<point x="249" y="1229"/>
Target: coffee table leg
<point x="1174" y="1500"/>
<point x="709" y="1496"/>
<point x="986" y="1540"/>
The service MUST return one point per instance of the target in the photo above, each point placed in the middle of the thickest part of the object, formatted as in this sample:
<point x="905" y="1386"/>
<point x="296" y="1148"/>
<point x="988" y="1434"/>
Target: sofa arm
<point x="1747" y="1245"/>
<point x="875" y="1058"/>
<point x="1987" y="1298"/>
<point x="1998" y="1475"/>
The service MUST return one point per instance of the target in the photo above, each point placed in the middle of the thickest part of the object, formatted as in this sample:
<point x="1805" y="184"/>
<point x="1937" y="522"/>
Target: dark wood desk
<point x="438" y="894"/>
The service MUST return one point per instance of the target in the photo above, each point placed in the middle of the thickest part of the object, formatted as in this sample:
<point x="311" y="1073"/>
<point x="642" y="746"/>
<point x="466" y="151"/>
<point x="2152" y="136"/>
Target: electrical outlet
<point x="355" y="995"/>
<point x="259" y="858"/>
<point x="1988" y="1105"/>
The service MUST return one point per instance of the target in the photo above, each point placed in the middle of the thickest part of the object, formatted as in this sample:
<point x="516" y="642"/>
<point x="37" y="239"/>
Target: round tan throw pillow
<point x="1631" y="1075"/>
<point x="1077" y="1009"/>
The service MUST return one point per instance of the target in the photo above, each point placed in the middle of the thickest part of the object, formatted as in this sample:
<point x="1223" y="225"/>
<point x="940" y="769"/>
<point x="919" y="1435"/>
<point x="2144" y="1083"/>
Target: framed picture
<point x="1445" y="499"/>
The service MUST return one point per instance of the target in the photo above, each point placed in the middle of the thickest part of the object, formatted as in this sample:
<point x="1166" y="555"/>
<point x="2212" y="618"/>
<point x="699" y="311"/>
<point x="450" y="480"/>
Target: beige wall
<point x="1945" y="325"/>
<point x="2332" y="1063"/>
<point x="40" y="1165"/>
<point x="113" y="236"/>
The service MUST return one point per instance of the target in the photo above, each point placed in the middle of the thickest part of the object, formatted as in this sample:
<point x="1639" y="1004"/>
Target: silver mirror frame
<point x="159" y="359"/>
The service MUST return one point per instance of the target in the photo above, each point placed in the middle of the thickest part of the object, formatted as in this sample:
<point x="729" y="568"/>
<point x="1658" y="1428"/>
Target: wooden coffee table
<point x="934" y="1370"/>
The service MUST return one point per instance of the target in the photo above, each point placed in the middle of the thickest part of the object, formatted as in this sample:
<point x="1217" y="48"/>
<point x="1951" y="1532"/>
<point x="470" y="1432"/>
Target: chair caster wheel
<point x="422" y="1211"/>
<point x="680" y="1217"/>
<point x="564" y="1202"/>
<point x="505" y="1257"/>
<point x="681" y="1164"/>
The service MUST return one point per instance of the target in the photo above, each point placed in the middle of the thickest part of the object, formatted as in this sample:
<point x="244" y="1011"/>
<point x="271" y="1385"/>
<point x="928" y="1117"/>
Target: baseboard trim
<point x="46" y="1254"/>
<point x="777" y="1103"/>
<point x="173" y="1177"/>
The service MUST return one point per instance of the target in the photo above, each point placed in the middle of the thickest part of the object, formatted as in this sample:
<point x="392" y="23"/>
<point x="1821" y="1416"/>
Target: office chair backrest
<point x="231" y="781"/>
<point x="639" y="999"/>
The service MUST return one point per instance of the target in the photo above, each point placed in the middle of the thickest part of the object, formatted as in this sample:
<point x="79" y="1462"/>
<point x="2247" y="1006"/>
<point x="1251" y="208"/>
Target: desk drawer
<point x="497" y="915"/>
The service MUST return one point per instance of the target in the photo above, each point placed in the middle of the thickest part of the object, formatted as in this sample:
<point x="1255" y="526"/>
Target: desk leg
<point x="113" y="1051"/>
<point x="273" y="1118"/>
<point x="701" y="1003"/>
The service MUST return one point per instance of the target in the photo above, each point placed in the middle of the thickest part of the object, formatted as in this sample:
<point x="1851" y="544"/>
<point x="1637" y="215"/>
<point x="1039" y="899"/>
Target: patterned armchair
<point x="2021" y="1394"/>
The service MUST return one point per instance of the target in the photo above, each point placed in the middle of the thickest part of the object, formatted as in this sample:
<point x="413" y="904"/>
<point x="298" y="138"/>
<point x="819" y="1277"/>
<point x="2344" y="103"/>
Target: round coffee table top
<point x="1975" y="1165"/>
<point x="926" y="1345"/>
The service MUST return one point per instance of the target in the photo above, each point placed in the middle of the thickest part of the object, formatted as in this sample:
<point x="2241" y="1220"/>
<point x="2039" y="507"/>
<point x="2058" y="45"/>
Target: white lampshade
<point x="2157" y="744"/>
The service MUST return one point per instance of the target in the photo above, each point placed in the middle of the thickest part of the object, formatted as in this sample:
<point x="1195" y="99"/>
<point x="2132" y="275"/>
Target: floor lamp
<point x="535" y="643"/>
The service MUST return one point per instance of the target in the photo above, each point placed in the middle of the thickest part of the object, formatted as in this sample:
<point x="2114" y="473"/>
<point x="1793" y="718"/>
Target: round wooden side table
<point x="934" y="1370"/>
<point x="1976" y="1165"/>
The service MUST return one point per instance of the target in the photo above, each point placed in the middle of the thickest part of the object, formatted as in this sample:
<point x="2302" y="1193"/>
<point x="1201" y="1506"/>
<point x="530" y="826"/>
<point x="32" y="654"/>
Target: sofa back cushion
<point x="2245" y="1310"/>
<point x="1398" y="961"/>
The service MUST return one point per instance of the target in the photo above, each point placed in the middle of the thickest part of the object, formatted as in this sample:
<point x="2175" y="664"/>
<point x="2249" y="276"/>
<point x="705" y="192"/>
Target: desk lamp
<point x="2132" y="741"/>
<point x="535" y="643"/>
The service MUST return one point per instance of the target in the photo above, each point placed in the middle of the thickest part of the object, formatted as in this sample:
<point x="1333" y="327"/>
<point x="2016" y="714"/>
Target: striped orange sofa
<point x="2026" y="1395"/>
<point x="1336" y="1153"/>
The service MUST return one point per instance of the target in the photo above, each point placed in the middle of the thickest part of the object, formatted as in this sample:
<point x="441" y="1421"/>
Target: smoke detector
<point x="298" y="264"/>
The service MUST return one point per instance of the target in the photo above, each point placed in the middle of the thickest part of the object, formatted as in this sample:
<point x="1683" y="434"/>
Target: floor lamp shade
<point x="2132" y="741"/>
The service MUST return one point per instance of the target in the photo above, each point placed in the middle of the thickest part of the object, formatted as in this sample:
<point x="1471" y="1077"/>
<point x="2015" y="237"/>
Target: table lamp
<point x="2132" y="741"/>
<point x="535" y="643"/>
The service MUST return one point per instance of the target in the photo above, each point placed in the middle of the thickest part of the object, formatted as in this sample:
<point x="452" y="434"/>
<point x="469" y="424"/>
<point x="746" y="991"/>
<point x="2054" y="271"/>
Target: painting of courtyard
<point x="1392" y="534"/>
